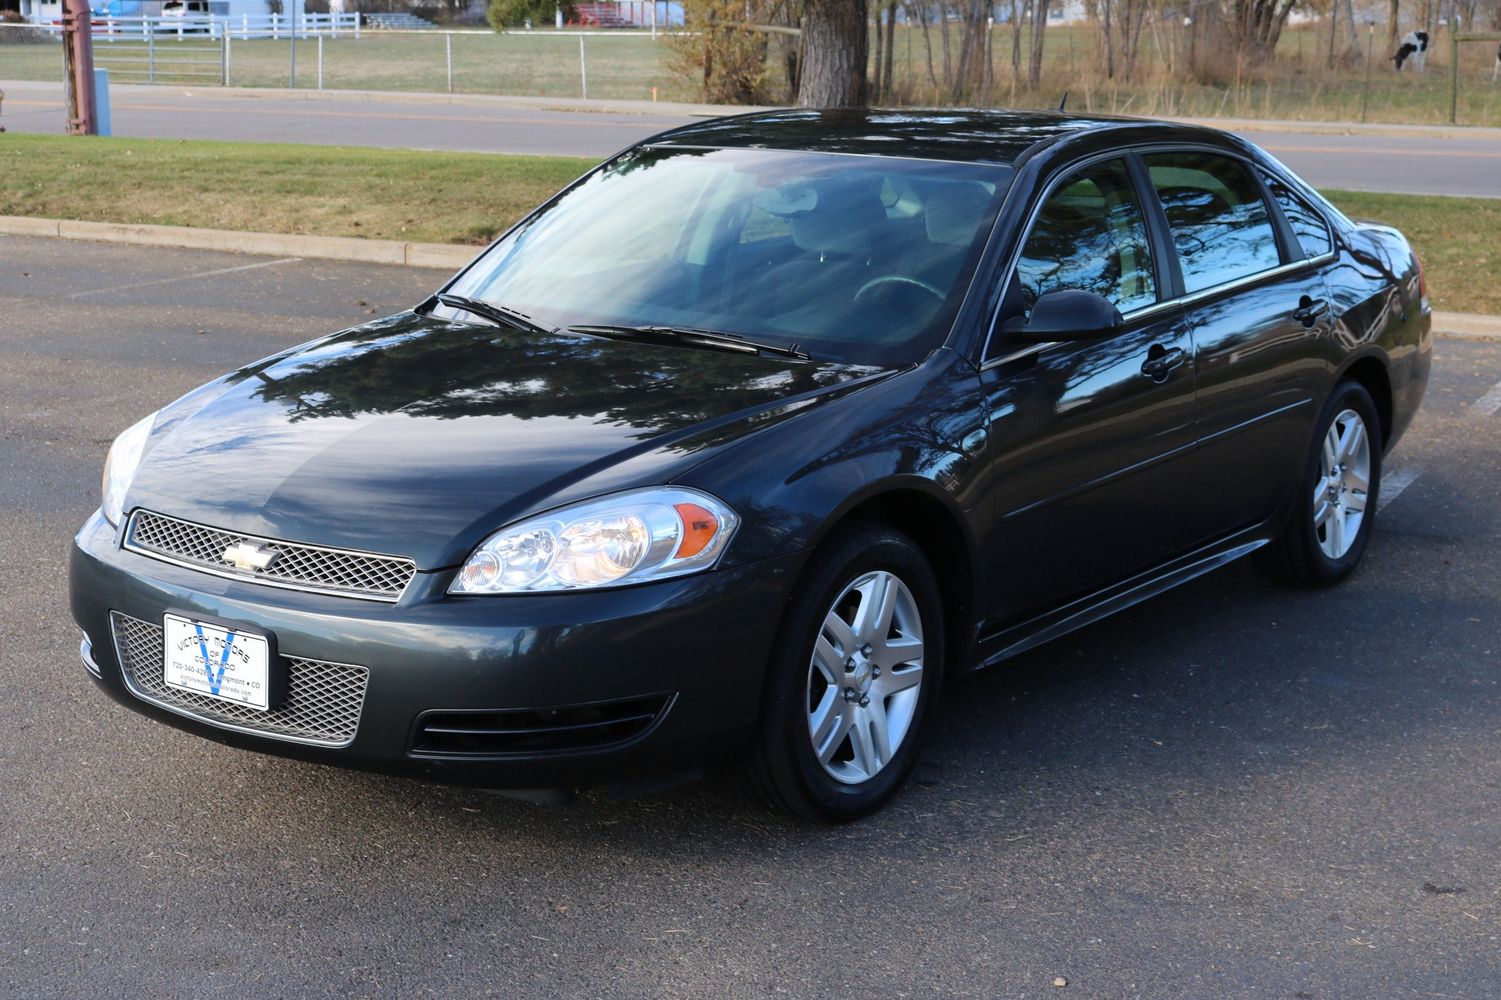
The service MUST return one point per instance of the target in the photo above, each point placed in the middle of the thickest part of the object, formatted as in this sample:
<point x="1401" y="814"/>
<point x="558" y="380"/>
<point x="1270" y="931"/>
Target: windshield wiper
<point x="691" y="335"/>
<point x="499" y="315"/>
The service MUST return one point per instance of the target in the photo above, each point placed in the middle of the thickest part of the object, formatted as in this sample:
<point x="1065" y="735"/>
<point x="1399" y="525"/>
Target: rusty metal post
<point x="78" y="58"/>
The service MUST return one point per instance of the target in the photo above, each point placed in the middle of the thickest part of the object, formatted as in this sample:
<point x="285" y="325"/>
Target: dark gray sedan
<point x="740" y="445"/>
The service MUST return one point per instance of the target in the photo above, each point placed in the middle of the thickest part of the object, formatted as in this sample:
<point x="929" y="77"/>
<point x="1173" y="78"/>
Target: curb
<point x="444" y="256"/>
<point x="1467" y="326"/>
<point x="441" y="256"/>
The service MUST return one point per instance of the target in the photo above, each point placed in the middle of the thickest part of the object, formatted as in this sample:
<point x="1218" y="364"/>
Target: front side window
<point x="1307" y="224"/>
<point x="1220" y="224"/>
<point x="1090" y="236"/>
<point x="861" y="259"/>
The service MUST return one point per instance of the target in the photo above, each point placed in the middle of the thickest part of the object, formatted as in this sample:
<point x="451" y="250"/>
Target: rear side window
<point x="1090" y="235"/>
<point x="1308" y="225"/>
<point x="1220" y="224"/>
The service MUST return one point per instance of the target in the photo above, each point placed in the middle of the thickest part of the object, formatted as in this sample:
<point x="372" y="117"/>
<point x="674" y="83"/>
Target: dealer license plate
<point x="218" y="662"/>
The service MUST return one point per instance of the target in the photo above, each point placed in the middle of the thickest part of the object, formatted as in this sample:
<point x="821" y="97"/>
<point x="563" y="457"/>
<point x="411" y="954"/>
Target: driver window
<point x="1091" y="236"/>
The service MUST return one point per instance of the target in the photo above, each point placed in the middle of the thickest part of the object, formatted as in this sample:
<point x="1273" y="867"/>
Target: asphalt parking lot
<point x="1235" y="790"/>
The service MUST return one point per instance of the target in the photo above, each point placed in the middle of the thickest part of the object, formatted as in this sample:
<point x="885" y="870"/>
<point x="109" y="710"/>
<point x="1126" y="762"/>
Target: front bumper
<point x="696" y="645"/>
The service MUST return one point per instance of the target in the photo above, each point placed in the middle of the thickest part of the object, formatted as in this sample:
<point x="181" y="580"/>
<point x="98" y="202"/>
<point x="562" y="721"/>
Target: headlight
<point x="120" y="466"/>
<point x="630" y="537"/>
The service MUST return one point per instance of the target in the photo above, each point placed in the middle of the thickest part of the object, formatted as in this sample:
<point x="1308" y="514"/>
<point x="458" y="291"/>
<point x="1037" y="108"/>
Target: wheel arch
<point x="931" y="518"/>
<point x="1370" y="371"/>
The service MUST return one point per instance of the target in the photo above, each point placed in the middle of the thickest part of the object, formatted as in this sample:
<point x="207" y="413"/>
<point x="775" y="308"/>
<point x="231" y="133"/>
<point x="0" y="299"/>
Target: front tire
<point x="1335" y="508"/>
<point x="853" y="678"/>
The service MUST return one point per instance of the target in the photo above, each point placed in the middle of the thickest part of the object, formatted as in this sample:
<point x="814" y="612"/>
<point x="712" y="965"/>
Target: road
<point x="1235" y="790"/>
<point x="1393" y="159"/>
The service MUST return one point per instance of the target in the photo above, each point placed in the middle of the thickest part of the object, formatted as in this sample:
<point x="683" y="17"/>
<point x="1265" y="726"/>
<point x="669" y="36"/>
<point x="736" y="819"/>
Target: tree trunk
<point x="970" y="78"/>
<point x="927" y="41"/>
<point x="890" y="48"/>
<point x="1351" y="28"/>
<point x="1018" y="11"/>
<point x="943" y="29"/>
<point x="1039" y="26"/>
<point x="1132" y="36"/>
<point x="1107" y="32"/>
<point x="836" y="50"/>
<point x="1393" y="31"/>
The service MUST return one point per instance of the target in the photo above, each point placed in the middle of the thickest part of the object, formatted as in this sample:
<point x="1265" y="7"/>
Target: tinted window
<point x="1220" y="224"/>
<point x="854" y="258"/>
<point x="1308" y="225"/>
<point x="1090" y="235"/>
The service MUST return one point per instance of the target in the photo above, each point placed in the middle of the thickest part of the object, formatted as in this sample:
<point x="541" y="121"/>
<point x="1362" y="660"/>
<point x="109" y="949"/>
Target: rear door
<point x="1090" y="443"/>
<point x="1258" y="308"/>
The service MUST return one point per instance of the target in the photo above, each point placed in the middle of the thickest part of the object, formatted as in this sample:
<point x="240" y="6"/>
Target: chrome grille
<point x="322" y="705"/>
<point x="305" y="567"/>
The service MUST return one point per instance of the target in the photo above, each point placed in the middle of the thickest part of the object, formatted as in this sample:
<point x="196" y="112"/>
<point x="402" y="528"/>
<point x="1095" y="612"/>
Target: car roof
<point x="967" y="135"/>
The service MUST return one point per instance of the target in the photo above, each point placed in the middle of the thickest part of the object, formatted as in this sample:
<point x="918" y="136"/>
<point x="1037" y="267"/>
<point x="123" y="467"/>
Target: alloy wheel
<point x="865" y="676"/>
<point x="1343" y="486"/>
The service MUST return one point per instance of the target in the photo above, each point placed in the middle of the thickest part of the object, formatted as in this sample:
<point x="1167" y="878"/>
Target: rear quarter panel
<point x="1376" y="292"/>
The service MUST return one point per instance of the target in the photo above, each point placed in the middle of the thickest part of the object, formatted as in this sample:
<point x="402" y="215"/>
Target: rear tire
<point x="1335" y="508"/>
<point x="853" y="680"/>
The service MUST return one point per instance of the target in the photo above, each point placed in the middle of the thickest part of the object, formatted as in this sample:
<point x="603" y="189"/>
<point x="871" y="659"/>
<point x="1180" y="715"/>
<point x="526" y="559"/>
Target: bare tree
<point x="1258" y="24"/>
<point x="890" y="47"/>
<point x="919" y="10"/>
<point x="973" y="51"/>
<point x="1039" y="27"/>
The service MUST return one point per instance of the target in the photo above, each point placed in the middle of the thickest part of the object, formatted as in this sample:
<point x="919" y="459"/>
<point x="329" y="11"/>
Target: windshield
<point x="859" y="259"/>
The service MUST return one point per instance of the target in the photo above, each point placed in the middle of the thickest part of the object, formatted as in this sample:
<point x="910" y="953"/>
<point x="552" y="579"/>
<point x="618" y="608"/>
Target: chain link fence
<point x="29" y="52"/>
<point x="617" y="64"/>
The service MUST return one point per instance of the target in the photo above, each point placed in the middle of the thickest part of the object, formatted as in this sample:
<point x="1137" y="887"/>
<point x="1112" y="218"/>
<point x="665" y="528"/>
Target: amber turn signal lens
<point x="699" y="528"/>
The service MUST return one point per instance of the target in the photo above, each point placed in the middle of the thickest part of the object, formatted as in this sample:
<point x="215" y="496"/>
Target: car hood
<point x="418" y="437"/>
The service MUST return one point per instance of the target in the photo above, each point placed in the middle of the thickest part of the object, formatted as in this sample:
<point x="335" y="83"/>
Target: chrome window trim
<point x="127" y="541"/>
<point x="127" y="677"/>
<point x="1204" y="293"/>
<point x="1186" y="299"/>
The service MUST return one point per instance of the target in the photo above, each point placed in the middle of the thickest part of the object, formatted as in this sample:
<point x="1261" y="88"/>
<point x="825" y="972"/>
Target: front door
<point x="1090" y="443"/>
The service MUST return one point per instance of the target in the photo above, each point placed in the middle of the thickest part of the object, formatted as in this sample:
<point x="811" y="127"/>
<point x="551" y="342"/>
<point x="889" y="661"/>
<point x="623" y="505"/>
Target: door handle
<point x="1309" y="310"/>
<point x="1161" y="361"/>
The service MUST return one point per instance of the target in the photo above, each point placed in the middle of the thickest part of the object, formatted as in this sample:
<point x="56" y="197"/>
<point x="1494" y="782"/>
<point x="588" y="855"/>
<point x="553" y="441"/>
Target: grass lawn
<point x="469" y="197"/>
<point x="1454" y="237"/>
<point x="319" y="190"/>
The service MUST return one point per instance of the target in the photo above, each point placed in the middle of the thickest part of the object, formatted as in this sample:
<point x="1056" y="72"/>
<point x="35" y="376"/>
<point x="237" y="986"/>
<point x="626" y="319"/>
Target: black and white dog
<point x="1496" y="69"/>
<point x="1414" y="47"/>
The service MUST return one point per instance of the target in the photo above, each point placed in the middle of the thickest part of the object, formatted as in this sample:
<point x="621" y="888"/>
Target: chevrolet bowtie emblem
<point x="250" y="557"/>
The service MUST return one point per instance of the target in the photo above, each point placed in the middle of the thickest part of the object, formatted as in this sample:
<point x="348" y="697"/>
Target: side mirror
<point x="1067" y="314"/>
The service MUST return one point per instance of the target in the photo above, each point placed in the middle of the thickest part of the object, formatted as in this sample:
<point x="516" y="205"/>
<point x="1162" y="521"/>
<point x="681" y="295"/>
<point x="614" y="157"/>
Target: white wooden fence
<point x="240" y="26"/>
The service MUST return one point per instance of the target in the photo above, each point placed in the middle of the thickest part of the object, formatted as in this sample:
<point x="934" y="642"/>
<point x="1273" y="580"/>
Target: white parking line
<point x="1488" y="404"/>
<point x="185" y="277"/>
<point x="1394" y="482"/>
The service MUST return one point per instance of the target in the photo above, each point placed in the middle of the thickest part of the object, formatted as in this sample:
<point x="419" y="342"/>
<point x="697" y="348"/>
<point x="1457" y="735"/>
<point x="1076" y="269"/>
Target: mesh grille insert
<point x="309" y="567"/>
<point x="322" y="705"/>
